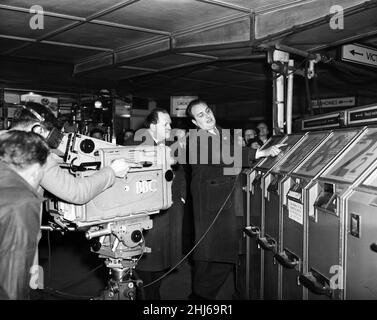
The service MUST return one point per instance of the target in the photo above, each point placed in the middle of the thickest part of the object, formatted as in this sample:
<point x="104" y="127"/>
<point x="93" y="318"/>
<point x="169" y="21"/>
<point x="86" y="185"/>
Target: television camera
<point x="114" y="220"/>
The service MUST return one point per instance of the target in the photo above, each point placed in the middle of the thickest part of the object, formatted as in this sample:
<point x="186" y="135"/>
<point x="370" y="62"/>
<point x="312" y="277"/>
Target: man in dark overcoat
<point x="216" y="193"/>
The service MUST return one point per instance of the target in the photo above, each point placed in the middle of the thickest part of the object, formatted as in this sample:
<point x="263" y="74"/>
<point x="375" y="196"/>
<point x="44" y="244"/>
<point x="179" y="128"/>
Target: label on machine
<point x="330" y="149"/>
<point x="356" y="159"/>
<point x="295" y="195"/>
<point x="306" y="147"/>
<point x="296" y="211"/>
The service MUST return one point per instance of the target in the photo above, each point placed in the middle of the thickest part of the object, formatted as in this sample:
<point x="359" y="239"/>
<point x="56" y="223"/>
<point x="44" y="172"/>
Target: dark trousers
<point x="209" y="277"/>
<point x="151" y="292"/>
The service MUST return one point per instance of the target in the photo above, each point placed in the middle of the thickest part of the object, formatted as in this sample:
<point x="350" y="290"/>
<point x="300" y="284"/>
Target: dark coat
<point x="165" y="237"/>
<point x="209" y="189"/>
<point x="20" y="207"/>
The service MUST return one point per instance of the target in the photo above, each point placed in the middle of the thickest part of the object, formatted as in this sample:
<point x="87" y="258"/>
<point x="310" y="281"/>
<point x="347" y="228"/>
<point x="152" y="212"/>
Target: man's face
<point x="263" y="129"/>
<point x="128" y="134"/>
<point x="203" y="116"/>
<point x="249" y="134"/>
<point x="97" y="135"/>
<point x="39" y="129"/>
<point x="162" y="128"/>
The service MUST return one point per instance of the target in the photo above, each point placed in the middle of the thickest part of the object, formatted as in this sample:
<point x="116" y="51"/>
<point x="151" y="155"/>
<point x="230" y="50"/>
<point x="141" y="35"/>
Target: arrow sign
<point x="355" y="52"/>
<point x="178" y="105"/>
<point x="359" y="54"/>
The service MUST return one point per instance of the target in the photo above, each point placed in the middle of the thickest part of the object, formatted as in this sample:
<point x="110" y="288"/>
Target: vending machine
<point x="298" y="199"/>
<point x="325" y="276"/>
<point x="274" y="195"/>
<point x="253" y="193"/>
<point x="260" y="241"/>
<point x="361" y="241"/>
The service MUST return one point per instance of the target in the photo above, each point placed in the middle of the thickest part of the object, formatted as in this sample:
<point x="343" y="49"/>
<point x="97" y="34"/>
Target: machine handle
<point x="310" y="282"/>
<point x="266" y="244"/>
<point x="287" y="261"/>
<point x="373" y="246"/>
<point x="251" y="231"/>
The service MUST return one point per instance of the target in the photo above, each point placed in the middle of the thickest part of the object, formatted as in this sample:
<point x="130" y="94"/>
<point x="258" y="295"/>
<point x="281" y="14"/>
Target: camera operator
<point x="39" y="119"/>
<point x="22" y="159"/>
<point x="34" y="117"/>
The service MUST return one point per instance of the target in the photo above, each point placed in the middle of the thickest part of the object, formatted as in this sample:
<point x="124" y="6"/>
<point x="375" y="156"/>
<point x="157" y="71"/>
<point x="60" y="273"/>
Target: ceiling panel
<point x="254" y="68"/>
<point x="274" y="22"/>
<point x="258" y="5"/>
<point x="149" y="81"/>
<point x="224" y="53"/>
<point x="179" y="85"/>
<point x="259" y="85"/>
<point x="69" y="7"/>
<point x="114" y="73"/>
<point x="168" y="15"/>
<point x="219" y="75"/>
<point x="167" y="61"/>
<point x="54" y="52"/>
<point x="7" y="44"/>
<point x="355" y="25"/>
<point x="102" y="36"/>
<point x="370" y="42"/>
<point x="18" y="24"/>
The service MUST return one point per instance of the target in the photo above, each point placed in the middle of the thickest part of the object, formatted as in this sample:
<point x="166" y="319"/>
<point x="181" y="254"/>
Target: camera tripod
<point x="121" y="244"/>
<point x="123" y="283"/>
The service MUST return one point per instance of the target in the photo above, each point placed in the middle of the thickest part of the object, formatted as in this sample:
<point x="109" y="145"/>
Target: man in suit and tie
<point x="165" y="237"/>
<point x="216" y="195"/>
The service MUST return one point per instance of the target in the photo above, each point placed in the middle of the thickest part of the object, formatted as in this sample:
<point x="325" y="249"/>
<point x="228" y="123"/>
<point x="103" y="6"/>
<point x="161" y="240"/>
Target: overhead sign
<point x="359" y="54"/>
<point x="363" y="115"/>
<point x="334" y="102"/>
<point x="178" y="105"/>
<point x="10" y="97"/>
<point x="322" y="122"/>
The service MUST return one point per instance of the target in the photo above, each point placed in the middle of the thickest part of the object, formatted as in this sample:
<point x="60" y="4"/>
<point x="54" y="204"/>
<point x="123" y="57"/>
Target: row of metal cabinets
<point x="311" y="223"/>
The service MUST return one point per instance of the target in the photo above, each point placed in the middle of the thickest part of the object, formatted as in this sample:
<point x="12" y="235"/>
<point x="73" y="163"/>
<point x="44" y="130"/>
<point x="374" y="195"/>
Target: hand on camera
<point x="120" y="167"/>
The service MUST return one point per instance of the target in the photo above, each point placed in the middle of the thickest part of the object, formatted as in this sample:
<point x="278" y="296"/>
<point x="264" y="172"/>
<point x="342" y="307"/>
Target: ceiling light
<point x="98" y="104"/>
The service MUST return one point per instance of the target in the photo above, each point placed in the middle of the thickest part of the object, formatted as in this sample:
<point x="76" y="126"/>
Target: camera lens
<point x="87" y="146"/>
<point x="169" y="175"/>
<point x="136" y="236"/>
<point x="95" y="245"/>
